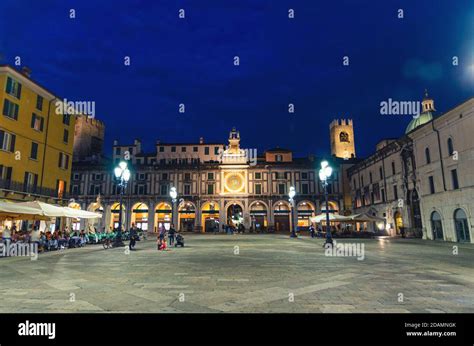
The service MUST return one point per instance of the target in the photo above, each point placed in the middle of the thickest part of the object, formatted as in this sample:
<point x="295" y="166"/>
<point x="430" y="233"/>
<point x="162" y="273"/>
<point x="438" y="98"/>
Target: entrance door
<point x="461" y="226"/>
<point x="282" y="223"/>
<point x="234" y="215"/>
<point x="398" y="222"/>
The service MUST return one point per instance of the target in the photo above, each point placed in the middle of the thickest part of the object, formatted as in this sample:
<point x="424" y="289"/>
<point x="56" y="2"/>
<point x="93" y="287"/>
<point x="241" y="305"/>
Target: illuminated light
<point x="123" y="165"/>
<point x="126" y="175"/>
<point x="117" y="172"/>
<point x="324" y="164"/>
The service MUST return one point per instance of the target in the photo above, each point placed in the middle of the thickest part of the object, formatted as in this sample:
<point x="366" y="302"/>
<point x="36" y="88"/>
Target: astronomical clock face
<point x="234" y="182"/>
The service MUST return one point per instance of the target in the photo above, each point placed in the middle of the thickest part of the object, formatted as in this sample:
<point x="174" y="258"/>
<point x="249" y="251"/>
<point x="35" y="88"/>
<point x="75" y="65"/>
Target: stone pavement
<point x="244" y="273"/>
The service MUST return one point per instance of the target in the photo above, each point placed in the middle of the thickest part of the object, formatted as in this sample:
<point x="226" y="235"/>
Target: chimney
<point x="201" y="140"/>
<point x="26" y="71"/>
<point x="158" y="142"/>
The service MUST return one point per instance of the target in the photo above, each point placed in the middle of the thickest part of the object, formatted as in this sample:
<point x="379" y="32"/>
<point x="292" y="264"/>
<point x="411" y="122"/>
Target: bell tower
<point x="341" y="132"/>
<point x="234" y="142"/>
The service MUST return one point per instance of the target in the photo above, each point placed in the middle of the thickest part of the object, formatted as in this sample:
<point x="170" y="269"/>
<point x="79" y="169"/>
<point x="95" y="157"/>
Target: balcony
<point x="19" y="187"/>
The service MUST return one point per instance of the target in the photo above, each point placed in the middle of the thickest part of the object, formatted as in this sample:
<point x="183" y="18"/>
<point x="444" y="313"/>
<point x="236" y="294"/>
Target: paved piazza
<point x="270" y="273"/>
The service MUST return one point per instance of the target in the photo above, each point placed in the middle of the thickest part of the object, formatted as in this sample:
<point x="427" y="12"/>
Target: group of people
<point x="174" y="238"/>
<point x="46" y="240"/>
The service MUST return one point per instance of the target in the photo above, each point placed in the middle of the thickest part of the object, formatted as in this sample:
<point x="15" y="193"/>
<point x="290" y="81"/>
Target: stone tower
<point x="88" y="138"/>
<point x="341" y="132"/>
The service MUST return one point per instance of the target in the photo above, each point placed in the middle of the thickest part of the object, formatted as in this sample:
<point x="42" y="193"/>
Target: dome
<point x="424" y="118"/>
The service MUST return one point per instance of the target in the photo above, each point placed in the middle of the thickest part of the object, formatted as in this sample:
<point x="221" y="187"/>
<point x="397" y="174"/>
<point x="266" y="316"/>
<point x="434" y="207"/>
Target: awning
<point x="332" y="217"/>
<point x="366" y="218"/>
<point x="39" y="211"/>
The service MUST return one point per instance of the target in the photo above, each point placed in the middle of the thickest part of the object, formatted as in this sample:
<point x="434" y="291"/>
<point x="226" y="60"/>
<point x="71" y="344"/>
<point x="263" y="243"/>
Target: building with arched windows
<point x="422" y="182"/>
<point x="217" y="184"/>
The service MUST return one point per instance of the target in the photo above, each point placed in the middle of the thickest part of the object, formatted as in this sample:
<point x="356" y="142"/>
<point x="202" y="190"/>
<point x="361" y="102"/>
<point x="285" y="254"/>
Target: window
<point x="210" y="189"/>
<point x="66" y="119"/>
<point x="278" y="158"/>
<point x="216" y="150"/>
<point x="206" y="150"/>
<point x="461" y="226"/>
<point x="164" y="176"/>
<point x="354" y="186"/>
<point x="427" y="156"/>
<point x="117" y="151"/>
<point x="95" y="189"/>
<point x="10" y="109"/>
<point x="210" y="176"/>
<point x="39" y="103"/>
<point x="304" y="189"/>
<point x="30" y="182"/>
<point x="382" y="191"/>
<point x="183" y="149"/>
<point x="76" y="176"/>
<point x="140" y="189"/>
<point x="34" y="151"/>
<point x="362" y="181"/>
<point x="13" y="88"/>
<point x="258" y="189"/>
<point x="37" y="122"/>
<point x="173" y="149"/>
<point x="163" y="190"/>
<point x="162" y="149"/>
<point x="450" y="147"/>
<point x="431" y="184"/>
<point x="395" y="192"/>
<point x="195" y="149"/>
<point x="65" y="136"/>
<point x="381" y="173"/>
<point x="75" y="190"/>
<point x="454" y="178"/>
<point x="344" y="137"/>
<point x="187" y="176"/>
<point x="60" y="188"/>
<point x="304" y="175"/>
<point x="281" y="189"/>
<point x="187" y="189"/>
<point x="393" y="167"/>
<point x="5" y="175"/>
<point x="7" y="141"/>
<point x="258" y="176"/>
<point x="63" y="161"/>
<point x="370" y="177"/>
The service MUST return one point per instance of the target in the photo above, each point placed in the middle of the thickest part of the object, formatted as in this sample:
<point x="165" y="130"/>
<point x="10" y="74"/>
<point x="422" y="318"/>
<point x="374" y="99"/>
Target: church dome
<point x="426" y="115"/>
<point x="421" y="120"/>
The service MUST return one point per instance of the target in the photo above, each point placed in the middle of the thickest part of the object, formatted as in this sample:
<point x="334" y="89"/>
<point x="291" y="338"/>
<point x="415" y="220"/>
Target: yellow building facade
<point x="36" y="143"/>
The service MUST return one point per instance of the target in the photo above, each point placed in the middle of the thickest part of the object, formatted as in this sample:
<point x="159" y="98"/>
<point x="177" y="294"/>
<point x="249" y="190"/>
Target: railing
<point x="16" y="186"/>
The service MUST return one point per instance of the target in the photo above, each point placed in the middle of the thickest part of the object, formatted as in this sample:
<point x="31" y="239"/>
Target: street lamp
<point x="324" y="174"/>
<point x="292" y="194"/>
<point x="123" y="174"/>
<point x="174" y="199"/>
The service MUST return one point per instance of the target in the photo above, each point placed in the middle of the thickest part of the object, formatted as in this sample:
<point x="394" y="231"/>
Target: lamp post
<point x="292" y="194"/>
<point x="324" y="174"/>
<point x="123" y="174"/>
<point x="174" y="199"/>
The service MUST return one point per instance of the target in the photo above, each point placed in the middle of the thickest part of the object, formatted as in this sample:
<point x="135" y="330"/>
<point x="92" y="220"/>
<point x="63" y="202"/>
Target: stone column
<point x="151" y="216"/>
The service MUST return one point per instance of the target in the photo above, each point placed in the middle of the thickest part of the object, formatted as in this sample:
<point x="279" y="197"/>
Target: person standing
<point x="133" y="237"/>
<point x="171" y="234"/>
<point x="311" y="231"/>
<point x="7" y="236"/>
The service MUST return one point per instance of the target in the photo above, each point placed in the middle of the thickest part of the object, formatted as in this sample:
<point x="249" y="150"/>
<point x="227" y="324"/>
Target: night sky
<point x="282" y="61"/>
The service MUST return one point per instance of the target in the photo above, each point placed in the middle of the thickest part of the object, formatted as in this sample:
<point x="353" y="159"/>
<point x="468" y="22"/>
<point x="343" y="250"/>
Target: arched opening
<point x="344" y="137"/>
<point x="398" y="220"/>
<point x="258" y="216"/>
<point x="140" y="215"/>
<point x="186" y="217"/>
<point x="235" y="215"/>
<point x="436" y="226"/>
<point x="210" y="216"/>
<point x="306" y="210"/>
<point x="282" y="216"/>
<point x="115" y="217"/>
<point x="75" y="223"/>
<point x="163" y="216"/>
<point x="95" y="224"/>
<point x="461" y="226"/>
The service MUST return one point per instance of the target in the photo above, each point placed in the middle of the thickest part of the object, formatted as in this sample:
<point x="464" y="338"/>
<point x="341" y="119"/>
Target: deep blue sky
<point x="190" y="61"/>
